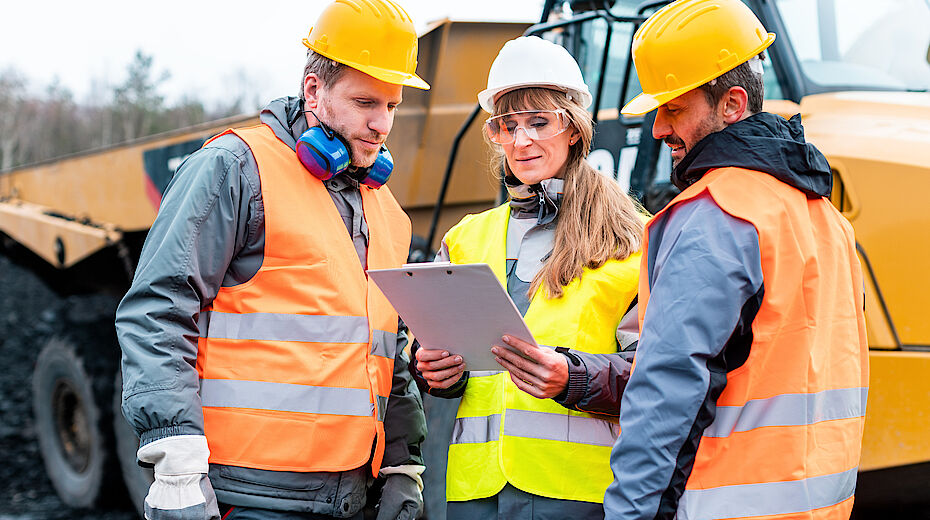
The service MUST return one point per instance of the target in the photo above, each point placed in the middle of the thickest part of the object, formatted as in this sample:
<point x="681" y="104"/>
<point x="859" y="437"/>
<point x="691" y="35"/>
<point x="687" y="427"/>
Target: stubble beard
<point x="707" y="126"/>
<point x="357" y="158"/>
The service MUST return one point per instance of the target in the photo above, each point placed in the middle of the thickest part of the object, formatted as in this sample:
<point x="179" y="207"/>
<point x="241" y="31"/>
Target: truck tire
<point x="72" y="427"/>
<point x="136" y="478"/>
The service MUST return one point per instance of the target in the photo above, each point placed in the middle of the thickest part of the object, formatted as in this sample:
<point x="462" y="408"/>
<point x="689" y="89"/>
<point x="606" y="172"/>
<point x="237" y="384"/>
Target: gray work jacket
<point x="209" y="233"/>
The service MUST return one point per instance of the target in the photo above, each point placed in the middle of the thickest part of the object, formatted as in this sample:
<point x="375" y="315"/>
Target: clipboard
<point x="461" y="308"/>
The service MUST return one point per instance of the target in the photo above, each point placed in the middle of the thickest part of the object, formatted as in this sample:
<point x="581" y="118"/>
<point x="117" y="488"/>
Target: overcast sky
<point x="212" y="49"/>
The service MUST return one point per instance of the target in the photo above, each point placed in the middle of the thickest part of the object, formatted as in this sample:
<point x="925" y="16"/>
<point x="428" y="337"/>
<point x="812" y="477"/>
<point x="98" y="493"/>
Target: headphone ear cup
<point x="380" y="171"/>
<point x="321" y="155"/>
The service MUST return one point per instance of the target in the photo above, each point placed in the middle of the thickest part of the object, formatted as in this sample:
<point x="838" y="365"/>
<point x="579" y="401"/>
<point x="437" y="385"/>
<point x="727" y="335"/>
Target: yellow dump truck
<point x="857" y="72"/>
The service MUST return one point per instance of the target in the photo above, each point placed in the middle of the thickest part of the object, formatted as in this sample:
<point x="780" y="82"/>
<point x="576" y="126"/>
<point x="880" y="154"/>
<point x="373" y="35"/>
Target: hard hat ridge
<point x="376" y="37"/>
<point x="530" y="61"/>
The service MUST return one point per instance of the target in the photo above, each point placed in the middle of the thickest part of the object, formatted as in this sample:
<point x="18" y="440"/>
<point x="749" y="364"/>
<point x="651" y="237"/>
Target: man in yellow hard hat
<point x="263" y="371"/>
<point x="748" y="392"/>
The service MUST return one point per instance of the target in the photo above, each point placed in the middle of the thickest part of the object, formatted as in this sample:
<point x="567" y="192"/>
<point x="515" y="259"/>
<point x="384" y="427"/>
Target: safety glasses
<point x="537" y="124"/>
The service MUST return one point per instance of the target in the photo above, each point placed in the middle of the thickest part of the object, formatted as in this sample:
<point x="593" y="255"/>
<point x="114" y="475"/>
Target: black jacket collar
<point x="763" y="142"/>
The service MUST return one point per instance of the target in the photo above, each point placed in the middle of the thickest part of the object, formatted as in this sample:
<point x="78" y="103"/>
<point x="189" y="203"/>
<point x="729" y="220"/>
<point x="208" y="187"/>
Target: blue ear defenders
<point x="325" y="154"/>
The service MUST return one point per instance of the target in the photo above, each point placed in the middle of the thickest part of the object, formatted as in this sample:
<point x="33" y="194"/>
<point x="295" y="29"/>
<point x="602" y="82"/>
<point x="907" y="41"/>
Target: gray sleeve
<point x="705" y="276"/>
<point x="208" y="213"/>
<point x="595" y="382"/>
<point x="404" y="422"/>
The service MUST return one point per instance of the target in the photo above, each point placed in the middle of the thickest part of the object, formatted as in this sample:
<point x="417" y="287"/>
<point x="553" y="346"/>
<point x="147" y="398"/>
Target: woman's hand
<point x="544" y="377"/>
<point x="439" y="368"/>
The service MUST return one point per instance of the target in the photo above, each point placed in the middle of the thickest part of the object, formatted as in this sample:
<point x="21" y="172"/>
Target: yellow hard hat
<point x="690" y="42"/>
<point x="376" y="37"/>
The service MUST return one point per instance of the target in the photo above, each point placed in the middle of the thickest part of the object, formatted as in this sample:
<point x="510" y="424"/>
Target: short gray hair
<point x="741" y="76"/>
<point x="329" y="71"/>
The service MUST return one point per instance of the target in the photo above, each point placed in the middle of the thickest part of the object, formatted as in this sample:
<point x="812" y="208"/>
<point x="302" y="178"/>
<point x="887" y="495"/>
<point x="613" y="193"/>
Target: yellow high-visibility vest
<point x="503" y="434"/>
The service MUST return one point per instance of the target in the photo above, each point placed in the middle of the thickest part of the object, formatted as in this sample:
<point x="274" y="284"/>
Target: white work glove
<point x="402" y="494"/>
<point x="181" y="490"/>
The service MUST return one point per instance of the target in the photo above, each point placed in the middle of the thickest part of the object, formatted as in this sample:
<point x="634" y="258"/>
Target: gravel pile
<point x="27" y="321"/>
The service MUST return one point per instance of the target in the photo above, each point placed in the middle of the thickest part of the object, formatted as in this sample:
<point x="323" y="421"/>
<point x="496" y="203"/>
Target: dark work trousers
<point x="513" y="504"/>
<point x="252" y="513"/>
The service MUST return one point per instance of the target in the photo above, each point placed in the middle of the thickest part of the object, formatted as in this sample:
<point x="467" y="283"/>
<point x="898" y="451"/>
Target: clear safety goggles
<point x="537" y="124"/>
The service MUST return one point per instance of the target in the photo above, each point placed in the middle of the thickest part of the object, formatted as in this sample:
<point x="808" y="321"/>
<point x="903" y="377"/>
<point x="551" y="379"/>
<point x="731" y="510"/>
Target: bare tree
<point x="137" y="101"/>
<point x="12" y="94"/>
<point x="35" y="127"/>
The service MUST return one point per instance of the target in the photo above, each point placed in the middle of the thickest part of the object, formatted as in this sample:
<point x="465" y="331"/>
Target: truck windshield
<point x="861" y="43"/>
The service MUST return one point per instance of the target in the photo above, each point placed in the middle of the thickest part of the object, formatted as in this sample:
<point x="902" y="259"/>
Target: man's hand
<point x="544" y="377"/>
<point x="439" y="368"/>
<point x="181" y="490"/>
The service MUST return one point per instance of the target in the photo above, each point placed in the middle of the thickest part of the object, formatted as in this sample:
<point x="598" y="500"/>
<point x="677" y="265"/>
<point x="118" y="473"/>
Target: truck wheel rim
<point x="71" y="423"/>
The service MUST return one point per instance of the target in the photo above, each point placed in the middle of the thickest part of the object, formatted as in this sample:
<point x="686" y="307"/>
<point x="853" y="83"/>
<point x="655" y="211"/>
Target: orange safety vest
<point x="296" y="364"/>
<point x="787" y="434"/>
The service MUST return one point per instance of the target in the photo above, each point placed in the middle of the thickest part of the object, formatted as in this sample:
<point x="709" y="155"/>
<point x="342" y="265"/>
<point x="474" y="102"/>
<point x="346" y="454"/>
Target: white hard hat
<point x="530" y="61"/>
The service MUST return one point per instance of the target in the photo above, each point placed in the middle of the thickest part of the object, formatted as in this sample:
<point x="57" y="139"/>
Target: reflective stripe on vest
<point x="536" y="425"/>
<point x="770" y="498"/>
<point x="502" y="434"/>
<point x="483" y="373"/>
<point x="300" y="358"/>
<point x="283" y="397"/>
<point x="296" y="327"/>
<point x="285" y="327"/>
<point x="785" y="440"/>
<point x="789" y="410"/>
<point x="476" y="429"/>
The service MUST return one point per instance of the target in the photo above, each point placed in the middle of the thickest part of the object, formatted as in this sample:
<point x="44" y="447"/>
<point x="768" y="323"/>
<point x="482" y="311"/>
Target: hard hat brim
<point x="645" y="103"/>
<point x="391" y="76"/>
<point x="487" y="96"/>
<point x="388" y="76"/>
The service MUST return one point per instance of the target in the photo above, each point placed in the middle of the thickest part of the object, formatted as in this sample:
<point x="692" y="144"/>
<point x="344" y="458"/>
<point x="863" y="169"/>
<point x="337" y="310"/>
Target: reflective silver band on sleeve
<point x="770" y="498"/>
<point x="789" y="410"/>
<point x="285" y="397"/>
<point x="284" y="327"/>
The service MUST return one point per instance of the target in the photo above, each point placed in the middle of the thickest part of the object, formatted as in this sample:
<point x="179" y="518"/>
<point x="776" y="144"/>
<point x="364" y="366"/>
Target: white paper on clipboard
<point x="461" y="308"/>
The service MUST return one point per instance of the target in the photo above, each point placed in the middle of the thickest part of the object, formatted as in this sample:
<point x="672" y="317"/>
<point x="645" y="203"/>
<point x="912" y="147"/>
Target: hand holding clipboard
<point x="461" y="308"/>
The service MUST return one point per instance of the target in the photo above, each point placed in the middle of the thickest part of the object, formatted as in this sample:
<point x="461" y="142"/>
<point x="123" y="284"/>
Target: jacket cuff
<point x="154" y="434"/>
<point x="577" y="385"/>
<point x="411" y="470"/>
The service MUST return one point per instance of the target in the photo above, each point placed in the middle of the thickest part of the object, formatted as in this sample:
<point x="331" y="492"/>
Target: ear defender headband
<point x="325" y="154"/>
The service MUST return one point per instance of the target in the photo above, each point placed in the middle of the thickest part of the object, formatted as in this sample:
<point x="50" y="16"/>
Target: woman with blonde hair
<point x="533" y="441"/>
